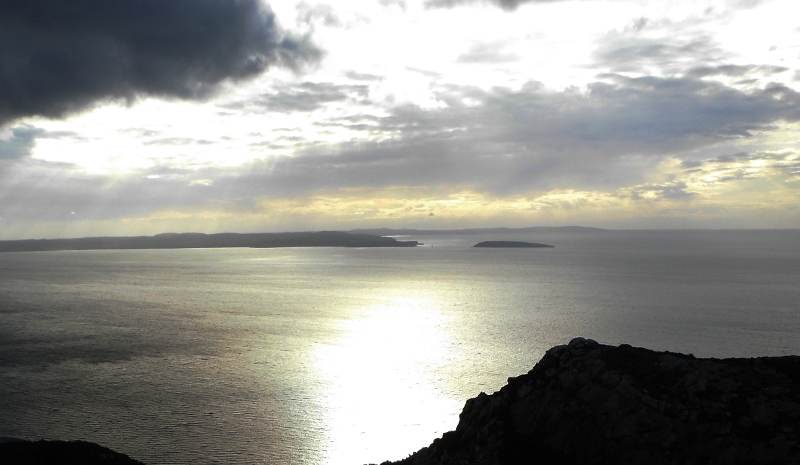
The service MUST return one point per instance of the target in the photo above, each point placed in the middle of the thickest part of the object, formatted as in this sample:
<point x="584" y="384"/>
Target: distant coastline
<point x="377" y="237"/>
<point x="207" y="241"/>
<point x="511" y="245"/>
<point x="435" y="232"/>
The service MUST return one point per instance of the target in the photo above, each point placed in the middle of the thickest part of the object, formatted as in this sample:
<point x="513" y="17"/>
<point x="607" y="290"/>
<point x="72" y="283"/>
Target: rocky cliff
<point x="589" y="403"/>
<point x="60" y="453"/>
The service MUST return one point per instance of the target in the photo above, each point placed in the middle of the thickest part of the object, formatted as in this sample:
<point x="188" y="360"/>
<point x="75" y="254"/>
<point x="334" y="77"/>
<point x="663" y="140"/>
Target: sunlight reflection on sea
<point x="383" y="367"/>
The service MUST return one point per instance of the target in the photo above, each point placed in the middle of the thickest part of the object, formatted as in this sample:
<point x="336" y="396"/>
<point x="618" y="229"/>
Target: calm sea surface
<point x="349" y="356"/>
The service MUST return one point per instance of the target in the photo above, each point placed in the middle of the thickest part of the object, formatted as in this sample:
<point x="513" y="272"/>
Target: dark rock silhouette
<point x="589" y="403"/>
<point x="60" y="453"/>
<point x="510" y="244"/>
<point x="197" y="240"/>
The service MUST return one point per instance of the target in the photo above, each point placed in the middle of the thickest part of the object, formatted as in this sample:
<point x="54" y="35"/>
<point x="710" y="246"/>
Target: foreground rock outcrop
<point x="589" y="403"/>
<point x="60" y="453"/>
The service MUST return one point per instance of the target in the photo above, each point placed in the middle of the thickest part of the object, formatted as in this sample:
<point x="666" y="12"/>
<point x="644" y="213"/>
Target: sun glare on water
<point x="381" y="399"/>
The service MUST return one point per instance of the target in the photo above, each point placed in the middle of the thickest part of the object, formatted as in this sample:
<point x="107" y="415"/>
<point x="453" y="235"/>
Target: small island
<point x="510" y="244"/>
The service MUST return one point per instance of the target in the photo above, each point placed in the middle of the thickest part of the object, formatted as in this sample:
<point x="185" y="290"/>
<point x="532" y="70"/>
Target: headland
<point x="207" y="241"/>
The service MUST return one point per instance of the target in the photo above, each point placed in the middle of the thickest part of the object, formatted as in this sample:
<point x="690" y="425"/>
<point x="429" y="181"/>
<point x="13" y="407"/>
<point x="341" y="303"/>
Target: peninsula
<point x="511" y="245"/>
<point x="207" y="241"/>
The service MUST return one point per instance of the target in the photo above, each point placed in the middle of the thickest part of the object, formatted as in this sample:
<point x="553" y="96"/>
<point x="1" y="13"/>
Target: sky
<point x="151" y="116"/>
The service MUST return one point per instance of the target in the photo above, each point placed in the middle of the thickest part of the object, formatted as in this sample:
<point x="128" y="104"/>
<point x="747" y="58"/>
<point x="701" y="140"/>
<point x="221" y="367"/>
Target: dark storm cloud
<point x="57" y="56"/>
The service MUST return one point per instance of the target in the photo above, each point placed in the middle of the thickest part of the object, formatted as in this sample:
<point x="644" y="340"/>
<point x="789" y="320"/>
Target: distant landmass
<point x="433" y="232"/>
<point x="353" y="238"/>
<point x="207" y="241"/>
<point x="511" y="244"/>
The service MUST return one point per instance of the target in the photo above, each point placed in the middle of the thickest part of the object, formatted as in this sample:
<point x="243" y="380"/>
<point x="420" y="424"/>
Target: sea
<point x="354" y="356"/>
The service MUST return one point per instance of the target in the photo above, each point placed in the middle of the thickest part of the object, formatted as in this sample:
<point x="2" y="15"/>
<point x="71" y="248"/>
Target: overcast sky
<point x="148" y="116"/>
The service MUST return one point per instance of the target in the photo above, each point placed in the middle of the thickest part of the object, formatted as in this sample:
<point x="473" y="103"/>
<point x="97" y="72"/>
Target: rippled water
<point x="354" y="355"/>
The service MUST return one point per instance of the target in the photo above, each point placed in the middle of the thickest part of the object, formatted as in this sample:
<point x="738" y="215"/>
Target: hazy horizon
<point x="400" y="230"/>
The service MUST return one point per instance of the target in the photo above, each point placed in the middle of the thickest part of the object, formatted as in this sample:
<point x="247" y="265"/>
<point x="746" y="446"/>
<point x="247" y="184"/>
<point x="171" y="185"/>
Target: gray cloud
<point x="623" y="53"/>
<point x="363" y="76"/>
<point x="306" y="96"/>
<point x="508" y="5"/>
<point x="691" y="164"/>
<point x="735" y="70"/>
<point x="783" y="162"/>
<point x="58" y="57"/>
<point x="320" y="13"/>
<point x="399" y="3"/>
<point x="532" y="139"/>
<point x="28" y="192"/>
<point x="511" y="141"/>
<point x="675" y="190"/>
<point x="177" y="141"/>
<point x="310" y="96"/>
<point x="17" y="142"/>
<point x="486" y="53"/>
<point x="511" y="5"/>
